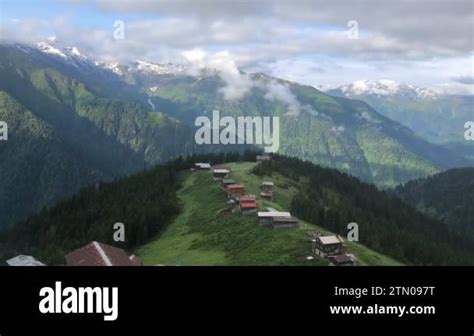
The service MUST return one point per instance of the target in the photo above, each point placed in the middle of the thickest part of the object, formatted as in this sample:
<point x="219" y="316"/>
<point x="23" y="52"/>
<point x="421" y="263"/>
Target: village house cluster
<point x="246" y="203"/>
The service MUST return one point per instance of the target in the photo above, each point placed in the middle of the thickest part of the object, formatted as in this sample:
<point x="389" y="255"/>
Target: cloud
<point x="437" y="27"/>
<point x="455" y="88"/>
<point x="238" y="83"/>
<point x="464" y="79"/>
<point x="281" y="92"/>
<point x="305" y="41"/>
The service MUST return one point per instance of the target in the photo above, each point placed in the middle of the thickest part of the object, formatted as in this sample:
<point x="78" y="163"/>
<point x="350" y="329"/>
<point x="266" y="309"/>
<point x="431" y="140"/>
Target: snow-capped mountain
<point x="438" y="118"/>
<point x="114" y="67"/>
<point x="72" y="55"/>
<point x="53" y="47"/>
<point x="164" y="68"/>
<point x="382" y="88"/>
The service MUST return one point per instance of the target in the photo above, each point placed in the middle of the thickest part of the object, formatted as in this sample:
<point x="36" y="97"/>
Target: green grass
<point x="210" y="232"/>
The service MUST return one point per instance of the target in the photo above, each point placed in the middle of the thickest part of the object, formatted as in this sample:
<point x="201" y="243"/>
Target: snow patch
<point x="386" y="88"/>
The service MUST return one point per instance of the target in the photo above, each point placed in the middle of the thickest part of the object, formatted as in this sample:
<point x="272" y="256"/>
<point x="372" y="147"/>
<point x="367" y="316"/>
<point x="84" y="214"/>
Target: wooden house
<point x="265" y="218"/>
<point x="100" y="254"/>
<point x="248" y="205"/>
<point x="342" y="260"/>
<point x="235" y="191"/>
<point x="220" y="173"/>
<point x="328" y="245"/>
<point x="284" y="222"/>
<point x="202" y="166"/>
<point x="266" y="195"/>
<point x="226" y="182"/>
<point x="267" y="186"/>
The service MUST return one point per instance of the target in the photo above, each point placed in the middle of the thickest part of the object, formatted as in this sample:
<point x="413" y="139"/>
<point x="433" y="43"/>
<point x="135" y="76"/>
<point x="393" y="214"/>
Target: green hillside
<point x="335" y="132"/>
<point x="447" y="196"/>
<point x="175" y="217"/>
<point x="36" y="168"/>
<point x="438" y="119"/>
<point x="67" y="130"/>
<point x="210" y="232"/>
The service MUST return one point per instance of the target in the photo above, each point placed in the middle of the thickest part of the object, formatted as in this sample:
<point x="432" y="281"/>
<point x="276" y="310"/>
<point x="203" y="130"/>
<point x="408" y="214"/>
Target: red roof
<point x="341" y="258"/>
<point x="99" y="254"/>
<point x="248" y="205"/>
<point x="245" y="199"/>
<point x="235" y="186"/>
<point x="266" y="194"/>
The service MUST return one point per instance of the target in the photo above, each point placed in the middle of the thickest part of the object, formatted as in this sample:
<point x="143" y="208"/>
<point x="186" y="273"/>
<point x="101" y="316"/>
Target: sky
<point x="429" y="43"/>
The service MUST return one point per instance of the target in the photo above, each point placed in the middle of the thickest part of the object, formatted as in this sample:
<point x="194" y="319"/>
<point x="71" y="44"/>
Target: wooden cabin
<point x="202" y="166"/>
<point x="343" y="260"/>
<point x="220" y="173"/>
<point x="100" y="254"/>
<point x="235" y="191"/>
<point x="226" y="182"/>
<point x="267" y="186"/>
<point x="248" y="205"/>
<point x="328" y="245"/>
<point x="266" y="195"/>
<point x="265" y="218"/>
<point x="247" y="199"/>
<point x="284" y="222"/>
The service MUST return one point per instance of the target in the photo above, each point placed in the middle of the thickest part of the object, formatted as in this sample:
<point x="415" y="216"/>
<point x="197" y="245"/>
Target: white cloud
<point x="281" y="92"/>
<point x="426" y="43"/>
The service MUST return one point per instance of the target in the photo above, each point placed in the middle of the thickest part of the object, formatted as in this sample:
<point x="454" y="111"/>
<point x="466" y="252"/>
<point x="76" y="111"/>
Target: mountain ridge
<point x="117" y="125"/>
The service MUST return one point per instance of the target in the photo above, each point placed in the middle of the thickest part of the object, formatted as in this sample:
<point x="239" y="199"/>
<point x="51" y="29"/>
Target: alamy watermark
<point x="353" y="233"/>
<point x="353" y="31"/>
<point x="119" y="232"/>
<point x="469" y="133"/>
<point x="3" y="131"/>
<point x="82" y="300"/>
<point x="119" y="30"/>
<point x="228" y="130"/>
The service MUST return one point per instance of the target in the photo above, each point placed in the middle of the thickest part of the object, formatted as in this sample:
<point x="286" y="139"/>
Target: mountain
<point x="176" y="217"/>
<point x="72" y="124"/>
<point x="438" y="118"/>
<point x="102" y="120"/>
<point x="447" y="196"/>
<point x="340" y="133"/>
<point x="36" y="168"/>
<point x="336" y="132"/>
<point x="384" y="88"/>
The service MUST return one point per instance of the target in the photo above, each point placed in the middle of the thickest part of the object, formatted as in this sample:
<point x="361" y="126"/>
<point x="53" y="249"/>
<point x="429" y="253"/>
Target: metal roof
<point x="24" y="260"/>
<point x="273" y="214"/>
<point x="221" y="171"/>
<point x="328" y="240"/>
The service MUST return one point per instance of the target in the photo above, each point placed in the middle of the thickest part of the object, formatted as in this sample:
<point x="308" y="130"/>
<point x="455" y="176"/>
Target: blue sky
<point x="423" y="42"/>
